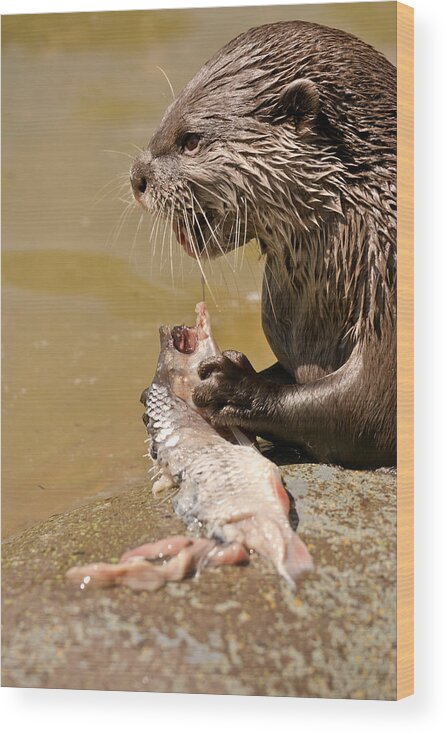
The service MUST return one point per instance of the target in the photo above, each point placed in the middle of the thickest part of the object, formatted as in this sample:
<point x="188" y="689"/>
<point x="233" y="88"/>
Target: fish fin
<point x="297" y="559"/>
<point x="242" y="439"/>
<point x="274" y="539"/>
<point x="165" y="481"/>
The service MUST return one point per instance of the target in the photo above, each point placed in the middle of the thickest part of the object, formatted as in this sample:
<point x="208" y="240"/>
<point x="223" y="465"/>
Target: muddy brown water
<point x="85" y="286"/>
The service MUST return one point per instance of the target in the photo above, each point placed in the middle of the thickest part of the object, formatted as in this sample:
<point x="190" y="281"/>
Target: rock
<point x="231" y="630"/>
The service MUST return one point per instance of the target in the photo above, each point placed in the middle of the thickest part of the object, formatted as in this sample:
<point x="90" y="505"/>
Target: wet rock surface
<point x="231" y="630"/>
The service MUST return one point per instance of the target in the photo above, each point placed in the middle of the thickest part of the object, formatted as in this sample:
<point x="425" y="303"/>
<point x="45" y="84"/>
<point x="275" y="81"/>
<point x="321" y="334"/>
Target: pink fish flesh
<point x="227" y="489"/>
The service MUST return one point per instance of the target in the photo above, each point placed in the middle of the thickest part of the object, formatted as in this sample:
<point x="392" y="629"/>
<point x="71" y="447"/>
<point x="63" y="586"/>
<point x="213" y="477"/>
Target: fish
<point x="225" y="488"/>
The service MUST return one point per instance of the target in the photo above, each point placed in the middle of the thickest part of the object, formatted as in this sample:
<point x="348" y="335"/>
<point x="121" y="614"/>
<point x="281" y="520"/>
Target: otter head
<point x="233" y="157"/>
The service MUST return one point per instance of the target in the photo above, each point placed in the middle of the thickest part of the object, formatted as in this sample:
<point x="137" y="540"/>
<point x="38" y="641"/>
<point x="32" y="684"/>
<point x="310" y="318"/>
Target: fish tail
<point x="297" y="559"/>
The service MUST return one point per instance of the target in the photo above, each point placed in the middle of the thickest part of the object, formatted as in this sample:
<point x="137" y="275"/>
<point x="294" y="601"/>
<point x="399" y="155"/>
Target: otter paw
<point x="228" y="379"/>
<point x="230" y="362"/>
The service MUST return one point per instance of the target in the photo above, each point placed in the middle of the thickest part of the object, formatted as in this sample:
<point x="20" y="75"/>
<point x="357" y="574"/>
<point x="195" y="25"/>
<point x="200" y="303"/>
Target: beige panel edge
<point x="405" y="518"/>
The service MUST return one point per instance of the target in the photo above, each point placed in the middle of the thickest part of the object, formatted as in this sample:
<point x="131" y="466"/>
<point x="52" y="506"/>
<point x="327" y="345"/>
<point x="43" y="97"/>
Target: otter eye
<point x="190" y="143"/>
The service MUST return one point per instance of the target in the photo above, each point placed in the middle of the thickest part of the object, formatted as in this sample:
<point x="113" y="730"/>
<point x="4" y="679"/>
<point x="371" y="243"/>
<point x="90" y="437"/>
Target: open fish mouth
<point x="185" y="339"/>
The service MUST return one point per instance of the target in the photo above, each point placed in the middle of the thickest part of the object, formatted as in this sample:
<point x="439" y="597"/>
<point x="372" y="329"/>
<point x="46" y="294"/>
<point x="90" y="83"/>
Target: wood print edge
<point x="405" y="354"/>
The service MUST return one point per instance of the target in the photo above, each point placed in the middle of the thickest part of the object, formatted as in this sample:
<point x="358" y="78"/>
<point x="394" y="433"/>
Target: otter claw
<point x="229" y="416"/>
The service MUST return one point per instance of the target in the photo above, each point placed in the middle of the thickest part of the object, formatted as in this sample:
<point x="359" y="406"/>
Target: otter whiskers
<point x="192" y="242"/>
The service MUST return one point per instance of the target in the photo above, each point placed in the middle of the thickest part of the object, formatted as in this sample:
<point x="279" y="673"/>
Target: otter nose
<point x="139" y="177"/>
<point x="139" y="183"/>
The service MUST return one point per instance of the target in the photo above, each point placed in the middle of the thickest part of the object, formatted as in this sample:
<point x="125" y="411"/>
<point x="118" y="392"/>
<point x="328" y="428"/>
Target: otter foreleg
<point x="277" y="373"/>
<point x="326" y="417"/>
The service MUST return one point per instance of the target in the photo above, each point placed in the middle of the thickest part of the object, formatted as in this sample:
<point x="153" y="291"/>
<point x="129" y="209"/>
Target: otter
<point x="288" y="135"/>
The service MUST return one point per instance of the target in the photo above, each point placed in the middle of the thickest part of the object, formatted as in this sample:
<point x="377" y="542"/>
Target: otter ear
<point x="299" y="99"/>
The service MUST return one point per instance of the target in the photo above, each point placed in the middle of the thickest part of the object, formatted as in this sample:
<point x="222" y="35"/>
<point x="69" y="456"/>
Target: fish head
<point x="182" y="349"/>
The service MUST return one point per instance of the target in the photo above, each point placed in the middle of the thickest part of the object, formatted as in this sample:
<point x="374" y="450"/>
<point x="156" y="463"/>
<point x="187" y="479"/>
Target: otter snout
<point x="140" y="175"/>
